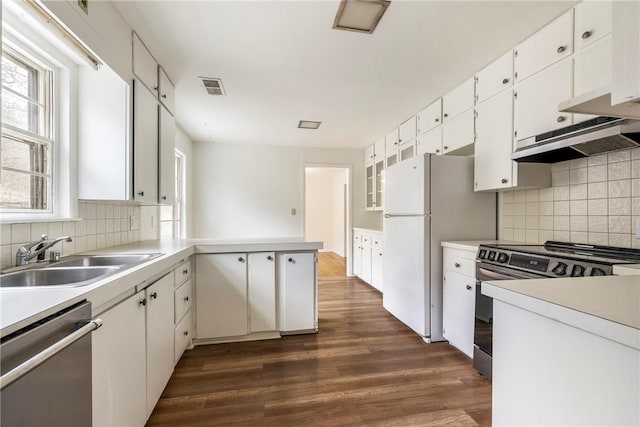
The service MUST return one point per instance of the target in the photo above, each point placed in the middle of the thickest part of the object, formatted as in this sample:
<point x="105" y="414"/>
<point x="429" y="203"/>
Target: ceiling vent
<point x="308" y="124"/>
<point x="213" y="86"/>
<point x="360" y="15"/>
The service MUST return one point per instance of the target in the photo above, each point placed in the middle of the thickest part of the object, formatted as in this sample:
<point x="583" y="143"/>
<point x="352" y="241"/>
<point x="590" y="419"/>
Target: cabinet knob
<point x="561" y="49"/>
<point x="141" y="193"/>
<point x="437" y="119"/>
<point x="241" y="259"/>
<point x="437" y="150"/>
<point x="561" y="119"/>
<point x="395" y="143"/>
<point x="154" y="295"/>
<point x="291" y="259"/>
<point x="270" y="258"/>
<point x="586" y="34"/>
<point x="186" y="299"/>
<point x="185" y="333"/>
<point x="155" y="88"/>
<point x="164" y="95"/>
<point x="457" y="264"/>
<point x="468" y="287"/>
<point x="143" y="302"/>
<point x="504" y="180"/>
<point x="185" y="272"/>
<point x="446" y="115"/>
<point x="164" y="197"/>
<point x="445" y="147"/>
<point x="505" y="81"/>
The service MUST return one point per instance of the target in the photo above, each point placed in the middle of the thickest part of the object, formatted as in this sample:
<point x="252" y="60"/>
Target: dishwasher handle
<point x="37" y="360"/>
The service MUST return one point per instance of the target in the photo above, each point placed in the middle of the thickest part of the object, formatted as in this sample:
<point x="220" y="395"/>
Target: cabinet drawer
<point x="182" y="273"/>
<point x="182" y="300"/>
<point x="182" y="336"/>
<point x="430" y="117"/>
<point x="460" y="261"/>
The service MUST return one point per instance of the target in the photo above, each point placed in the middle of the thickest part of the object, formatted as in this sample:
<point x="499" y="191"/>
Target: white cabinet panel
<point x="593" y="66"/>
<point x="458" y="132"/>
<point x="298" y="291"/>
<point x="407" y="130"/>
<point x="369" y="154"/>
<point x="551" y="44"/>
<point x="379" y="150"/>
<point x="593" y="22"/>
<point x="182" y="336"/>
<point x="494" y="143"/>
<point x="430" y="117"/>
<point x="357" y="254"/>
<point x="407" y="150"/>
<point x="458" y="298"/>
<point x="366" y="258"/>
<point x="430" y="142"/>
<point x="625" y="86"/>
<point x="160" y="343"/>
<point x="182" y="273"/>
<point x="144" y="66"/>
<point x="262" y="291"/>
<point x="221" y="295"/>
<point x="458" y="100"/>
<point x="183" y="299"/>
<point x="537" y="99"/>
<point x="118" y="361"/>
<point x="166" y="91"/>
<point x="145" y="144"/>
<point x="167" y="153"/>
<point x="495" y="77"/>
<point x="391" y="147"/>
<point x="377" y="253"/>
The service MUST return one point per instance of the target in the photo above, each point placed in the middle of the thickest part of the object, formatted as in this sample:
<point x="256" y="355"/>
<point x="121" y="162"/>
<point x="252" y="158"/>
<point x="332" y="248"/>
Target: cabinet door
<point x="298" y="292"/>
<point x="430" y="142"/>
<point x="366" y="258"/>
<point x="379" y="150"/>
<point x="407" y="130"/>
<point x="221" y="295"/>
<point x="537" y="99"/>
<point x="160" y="341"/>
<point x="551" y="44"/>
<point x="391" y="151"/>
<point x="183" y="299"/>
<point x="357" y="254"/>
<point x="167" y="91"/>
<point x="458" y="132"/>
<point x="167" y="156"/>
<point x="182" y="336"/>
<point x="458" y="307"/>
<point x="376" y="263"/>
<point x="494" y="143"/>
<point x="369" y="190"/>
<point x="458" y="100"/>
<point x="593" y="66"/>
<point x="145" y="144"/>
<point x="118" y="371"/>
<point x="379" y="170"/>
<point x="262" y="292"/>
<point x="407" y="150"/>
<point x="593" y="22"/>
<point x="430" y="117"/>
<point x="495" y="77"/>
<point x="144" y="66"/>
<point x="369" y="154"/>
<point x="625" y="85"/>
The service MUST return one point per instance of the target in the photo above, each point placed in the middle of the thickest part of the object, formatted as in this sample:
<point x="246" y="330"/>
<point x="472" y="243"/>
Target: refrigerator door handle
<point x="403" y="215"/>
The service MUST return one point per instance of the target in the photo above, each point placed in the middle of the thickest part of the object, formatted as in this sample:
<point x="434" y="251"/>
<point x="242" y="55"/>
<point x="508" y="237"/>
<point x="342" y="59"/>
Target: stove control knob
<point x="597" y="272"/>
<point x="560" y="269"/>
<point x="492" y="256"/>
<point x="577" y="271"/>
<point x="482" y="254"/>
<point x="502" y="257"/>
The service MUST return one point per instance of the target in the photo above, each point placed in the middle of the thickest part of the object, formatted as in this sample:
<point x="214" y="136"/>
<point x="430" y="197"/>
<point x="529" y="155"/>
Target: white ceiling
<point x="281" y="62"/>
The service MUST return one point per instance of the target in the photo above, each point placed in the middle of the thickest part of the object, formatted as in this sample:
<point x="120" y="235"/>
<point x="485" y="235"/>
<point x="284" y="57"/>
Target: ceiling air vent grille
<point x="213" y="86"/>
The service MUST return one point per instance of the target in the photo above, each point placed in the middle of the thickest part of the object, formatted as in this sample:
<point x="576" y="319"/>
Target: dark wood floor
<point x="362" y="368"/>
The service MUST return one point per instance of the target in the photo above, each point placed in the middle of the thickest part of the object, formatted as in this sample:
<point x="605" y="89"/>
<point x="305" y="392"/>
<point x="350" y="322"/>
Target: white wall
<point x="185" y="146"/>
<point x="249" y="190"/>
<point x="325" y="207"/>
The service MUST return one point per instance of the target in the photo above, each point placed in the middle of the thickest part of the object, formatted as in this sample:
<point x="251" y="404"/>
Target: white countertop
<point x="20" y="307"/>
<point x="606" y="306"/>
<point x="472" y="245"/>
<point x="626" y="269"/>
<point x="369" y="230"/>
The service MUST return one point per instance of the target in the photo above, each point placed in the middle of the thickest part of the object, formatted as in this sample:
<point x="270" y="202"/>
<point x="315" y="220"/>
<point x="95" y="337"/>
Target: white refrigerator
<point x="428" y="199"/>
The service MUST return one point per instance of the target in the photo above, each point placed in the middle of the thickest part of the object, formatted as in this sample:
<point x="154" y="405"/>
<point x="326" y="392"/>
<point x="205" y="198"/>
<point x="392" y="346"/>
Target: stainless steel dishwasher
<point x="46" y="371"/>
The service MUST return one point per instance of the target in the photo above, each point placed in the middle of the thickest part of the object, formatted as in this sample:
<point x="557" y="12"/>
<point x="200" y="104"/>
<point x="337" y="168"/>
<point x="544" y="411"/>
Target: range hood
<point x="595" y="136"/>
<point x="598" y="102"/>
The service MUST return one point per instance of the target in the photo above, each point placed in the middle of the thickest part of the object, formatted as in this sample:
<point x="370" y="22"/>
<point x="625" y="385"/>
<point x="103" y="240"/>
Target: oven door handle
<point x="493" y="275"/>
<point x="37" y="360"/>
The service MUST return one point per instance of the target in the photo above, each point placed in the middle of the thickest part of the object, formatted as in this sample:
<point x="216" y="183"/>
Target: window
<point x="27" y="133"/>
<point x="171" y="216"/>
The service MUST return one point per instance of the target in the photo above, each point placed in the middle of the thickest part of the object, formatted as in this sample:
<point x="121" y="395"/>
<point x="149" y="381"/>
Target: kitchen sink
<point x="55" y="276"/>
<point x="105" y="260"/>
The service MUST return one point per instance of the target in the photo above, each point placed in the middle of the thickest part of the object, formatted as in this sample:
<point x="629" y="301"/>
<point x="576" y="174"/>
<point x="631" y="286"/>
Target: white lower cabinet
<point x="367" y="256"/>
<point x="298" y="302"/>
<point x="183" y="301"/>
<point x="458" y="297"/>
<point x="376" y="263"/>
<point x="262" y="291"/>
<point x="160" y="342"/>
<point x="118" y="366"/>
<point x="182" y="336"/>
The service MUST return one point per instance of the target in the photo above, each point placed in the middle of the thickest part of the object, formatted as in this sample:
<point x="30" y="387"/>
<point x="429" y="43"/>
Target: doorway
<point x="327" y="216"/>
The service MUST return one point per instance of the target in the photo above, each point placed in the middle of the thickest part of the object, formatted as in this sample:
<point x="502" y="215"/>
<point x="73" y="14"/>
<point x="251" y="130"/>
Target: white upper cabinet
<point x="593" y="66"/>
<point x="379" y="150"/>
<point x="459" y="100"/>
<point x="495" y="77"/>
<point x="459" y="133"/>
<point x="167" y="156"/>
<point x="144" y="66"/>
<point x="549" y="45"/>
<point x="391" y="147"/>
<point x="625" y="85"/>
<point x="145" y="144"/>
<point x="369" y="154"/>
<point x="407" y="130"/>
<point x="430" y="117"/>
<point x="430" y="142"/>
<point x="166" y="91"/>
<point x="537" y="99"/>
<point x="593" y="22"/>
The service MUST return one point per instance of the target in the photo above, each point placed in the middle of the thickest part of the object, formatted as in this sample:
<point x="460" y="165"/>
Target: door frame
<point x="348" y="206"/>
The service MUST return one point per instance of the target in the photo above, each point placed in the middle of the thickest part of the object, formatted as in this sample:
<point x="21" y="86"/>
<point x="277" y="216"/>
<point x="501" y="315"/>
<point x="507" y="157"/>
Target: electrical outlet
<point x="134" y="222"/>
<point x="293" y="211"/>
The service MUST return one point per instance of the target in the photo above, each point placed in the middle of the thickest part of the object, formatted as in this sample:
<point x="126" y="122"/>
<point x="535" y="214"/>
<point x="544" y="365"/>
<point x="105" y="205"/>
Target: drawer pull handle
<point x="270" y="258"/>
<point x="291" y="259"/>
<point x="141" y="193"/>
<point x="185" y="272"/>
<point x="143" y="302"/>
<point x="468" y="287"/>
<point x="586" y="34"/>
<point x="504" y="180"/>
<point x="241" y="259"/>
<point x="561" y="49"/>
<point x="457" y="264"/>
<point x="505" y="81"/>
<point x="186" y="299"/>
<point x="185" y="333"/>
<point x="561" y="119"/>
<point x="154" y="295"/>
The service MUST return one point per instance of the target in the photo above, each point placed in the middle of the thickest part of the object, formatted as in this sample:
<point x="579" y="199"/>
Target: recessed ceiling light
<point x="213" y="86"/>
<point x="360" y="15"/>
<point x="308" y="124"/>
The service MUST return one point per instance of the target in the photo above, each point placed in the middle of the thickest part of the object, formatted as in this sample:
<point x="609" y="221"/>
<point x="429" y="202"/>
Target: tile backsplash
<point x="592" y="200"/>
<point x="103" y="224"/>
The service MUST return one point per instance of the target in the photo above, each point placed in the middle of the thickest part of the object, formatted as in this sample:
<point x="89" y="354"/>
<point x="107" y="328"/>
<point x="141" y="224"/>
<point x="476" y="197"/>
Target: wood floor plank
<point x="363" y="368"/>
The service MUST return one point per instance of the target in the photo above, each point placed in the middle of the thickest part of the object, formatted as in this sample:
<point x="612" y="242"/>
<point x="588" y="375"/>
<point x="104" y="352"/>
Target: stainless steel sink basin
<point x="105" y="260"/>
<point x="70" y="276"/>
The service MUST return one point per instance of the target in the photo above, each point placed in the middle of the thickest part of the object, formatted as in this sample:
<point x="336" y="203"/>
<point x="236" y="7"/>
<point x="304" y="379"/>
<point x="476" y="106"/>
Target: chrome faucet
<point x="25" y="254"/>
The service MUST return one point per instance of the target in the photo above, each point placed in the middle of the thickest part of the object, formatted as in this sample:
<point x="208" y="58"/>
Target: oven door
<point x="483" y="330"/>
